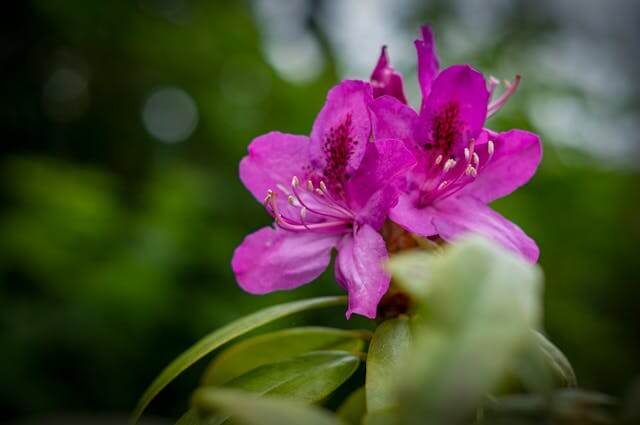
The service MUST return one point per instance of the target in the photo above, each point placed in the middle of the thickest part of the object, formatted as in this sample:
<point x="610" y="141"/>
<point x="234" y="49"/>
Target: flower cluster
<point x="372" y="158"/>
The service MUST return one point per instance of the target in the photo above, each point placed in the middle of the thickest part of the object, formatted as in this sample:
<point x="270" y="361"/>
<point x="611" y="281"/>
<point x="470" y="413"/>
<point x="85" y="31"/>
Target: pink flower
<point x="461" y="166"/>
<point x="330" y="190"/>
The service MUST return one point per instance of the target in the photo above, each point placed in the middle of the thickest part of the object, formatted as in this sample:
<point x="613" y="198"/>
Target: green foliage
<point x="354" y="407"/>
<point x="223" y="335"/>
<point x="559" y="366"/>
<point x="309" y="377"/>
<point x="248" y="409"/>
<point x="469" y="351"/>
<point x="389" y="347"/>
<point x="277" y="346"/>
<point x="478" y="308"/>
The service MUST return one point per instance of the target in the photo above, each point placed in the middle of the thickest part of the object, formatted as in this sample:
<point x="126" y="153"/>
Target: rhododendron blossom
<point x="461" y="166"/>
<point x="330" y="190"/>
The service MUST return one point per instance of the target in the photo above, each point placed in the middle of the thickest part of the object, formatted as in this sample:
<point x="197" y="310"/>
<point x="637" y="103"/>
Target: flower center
<point x="308" y="208"/>
<point x="445" y="177"/>
<point x="446" y="129"/>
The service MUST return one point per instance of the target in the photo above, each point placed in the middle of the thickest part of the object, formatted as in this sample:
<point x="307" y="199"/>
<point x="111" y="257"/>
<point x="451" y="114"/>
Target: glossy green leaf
<point x="309" y="377"/>
<point x="389" y="348"/>
<point x="354" y="407"/>
<point x="478" y="304"/>
<point x="223" y="335"/>
<point x="277" y="346"/>
<point x="250" y="409"/>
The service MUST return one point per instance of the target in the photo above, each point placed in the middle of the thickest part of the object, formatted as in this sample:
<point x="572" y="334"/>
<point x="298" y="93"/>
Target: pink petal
<point x="454" y="217"/>
<point x="342" y="130"/>
<point x="418" y="220"/>
<point x="427" y="62"/>
<point x="393" y="119"/>
<point x="372" y="191"/>
<point x="274" y="158"/>
<point x="270" y="260"/>
<point x="385" y="80"/>
<point x="360" y="269"/>
<point x="455" y="111"/>
<point x="517" y="154"/>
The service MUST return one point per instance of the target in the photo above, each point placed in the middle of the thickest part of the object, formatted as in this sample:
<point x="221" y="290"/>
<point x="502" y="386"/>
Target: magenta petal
<point x="427" y="62"/>
<point x="360" y="269"/>
<point x="372" y="190"/>
<point x="456" y="216"/>
<point x="385" y="80"/>
<point x="393" y="119"/>
<point x="270" y="260"/>
<point x="274" y="158"/>
<point x="341" y="130"/>
<point x="516" y="157"/>
<point x="456" y="109"/>
<point x="418" y="220"/>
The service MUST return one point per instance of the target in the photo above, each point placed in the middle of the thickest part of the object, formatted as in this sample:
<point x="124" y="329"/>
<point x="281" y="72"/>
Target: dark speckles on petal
<point x="338" y="146"/>
<point x="446" y="128"/>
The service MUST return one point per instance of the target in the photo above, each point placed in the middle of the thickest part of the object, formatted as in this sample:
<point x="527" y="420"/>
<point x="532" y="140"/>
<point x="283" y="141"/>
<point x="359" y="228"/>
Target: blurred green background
<point x="123" y="124"/>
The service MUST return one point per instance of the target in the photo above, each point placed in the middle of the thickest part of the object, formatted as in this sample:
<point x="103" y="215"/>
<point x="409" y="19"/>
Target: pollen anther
<point x="449" y="164"/>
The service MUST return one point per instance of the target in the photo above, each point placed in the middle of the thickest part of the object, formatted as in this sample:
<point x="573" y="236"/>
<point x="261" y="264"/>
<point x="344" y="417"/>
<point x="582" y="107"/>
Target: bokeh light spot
<point x="170" y="115"/>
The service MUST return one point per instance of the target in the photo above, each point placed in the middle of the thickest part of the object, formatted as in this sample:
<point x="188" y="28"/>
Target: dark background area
<point x="122" y="124"/>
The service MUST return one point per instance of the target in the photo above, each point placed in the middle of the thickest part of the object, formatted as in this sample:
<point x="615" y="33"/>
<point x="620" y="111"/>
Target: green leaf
<point x="477" y="304"/>
<point x="309" y="377"/>
<point x="354" y="407"/>
<point x="556" y="361"/>
<point x="389" y="347"/>
<point x="412" y="271"/>
<point x="192" y="418"/>
<point x="224" y="335"/>
<point x="277" y="346"/>
<point x="250" y="409"/>
<point x="539" y="367"/>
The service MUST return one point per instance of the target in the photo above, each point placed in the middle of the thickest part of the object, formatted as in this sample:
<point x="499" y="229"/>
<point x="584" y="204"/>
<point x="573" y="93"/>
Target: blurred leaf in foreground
<point x="249" y="409"/>
<point x="477" y="304"/>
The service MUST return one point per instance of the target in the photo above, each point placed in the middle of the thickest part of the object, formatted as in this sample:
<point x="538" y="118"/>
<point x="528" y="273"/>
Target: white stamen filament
<point x="490" y="147"/>
<point x="510" y="88"/>
<point x="438" y="159"/>
<point x="282" y="188"/>
<point x="476" y="159"/>
<point x="466" y="153"/>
